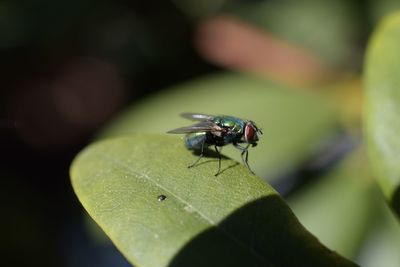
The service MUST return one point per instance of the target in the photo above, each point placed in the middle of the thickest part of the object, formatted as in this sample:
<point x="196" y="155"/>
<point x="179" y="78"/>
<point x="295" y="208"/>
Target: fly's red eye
<point x="249" y="133"/>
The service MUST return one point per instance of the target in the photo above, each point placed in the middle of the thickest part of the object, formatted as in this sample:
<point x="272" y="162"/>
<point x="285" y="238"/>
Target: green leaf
<point x="382" y="80"/>
<point x="296" y="125"/>
<point x="234" y="219"/>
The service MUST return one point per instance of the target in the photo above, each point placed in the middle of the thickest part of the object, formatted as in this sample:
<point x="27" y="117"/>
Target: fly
<point x="219" y="131"/>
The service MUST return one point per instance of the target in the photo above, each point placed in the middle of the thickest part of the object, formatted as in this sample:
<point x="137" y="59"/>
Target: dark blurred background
<point x="67" y="67"/>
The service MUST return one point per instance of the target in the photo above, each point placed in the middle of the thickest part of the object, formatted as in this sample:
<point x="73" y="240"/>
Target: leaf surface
<point x="234" y="219"/>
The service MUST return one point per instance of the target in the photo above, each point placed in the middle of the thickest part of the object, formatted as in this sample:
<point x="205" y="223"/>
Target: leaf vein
<point x="203" y="216"/>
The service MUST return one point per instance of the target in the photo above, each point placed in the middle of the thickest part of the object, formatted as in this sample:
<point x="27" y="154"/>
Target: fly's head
<point x="251" y="133"/>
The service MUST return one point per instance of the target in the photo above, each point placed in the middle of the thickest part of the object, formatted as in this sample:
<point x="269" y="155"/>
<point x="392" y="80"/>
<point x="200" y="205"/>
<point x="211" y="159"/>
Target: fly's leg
<point x="219" y="161"/>
<point x="242" y="152"/>
<point x="247" y="161"/>
<point x="199" y="158"/>
<point x="244" y="155"/>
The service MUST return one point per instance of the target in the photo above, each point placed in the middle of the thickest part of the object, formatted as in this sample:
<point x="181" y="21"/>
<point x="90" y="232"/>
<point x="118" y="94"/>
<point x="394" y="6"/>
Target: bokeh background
<point x="67" y="68"/>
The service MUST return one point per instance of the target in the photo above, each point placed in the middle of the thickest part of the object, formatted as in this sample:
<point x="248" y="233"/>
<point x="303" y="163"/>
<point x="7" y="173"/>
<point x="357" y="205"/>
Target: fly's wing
<point x="197" y="116"/>
<point x="204" y="126"/>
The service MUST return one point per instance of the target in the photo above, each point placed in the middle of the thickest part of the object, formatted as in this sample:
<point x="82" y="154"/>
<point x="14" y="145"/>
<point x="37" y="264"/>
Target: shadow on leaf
<point x="209" y="153"/>
<point x="262" y="233"/>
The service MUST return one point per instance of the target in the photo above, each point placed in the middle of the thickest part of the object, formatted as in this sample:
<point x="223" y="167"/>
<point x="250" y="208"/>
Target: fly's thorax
<point x="233" y="123"/>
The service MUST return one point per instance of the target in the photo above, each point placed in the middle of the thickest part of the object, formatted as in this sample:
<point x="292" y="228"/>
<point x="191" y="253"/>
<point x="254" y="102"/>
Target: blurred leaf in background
<point x="339" y="208"/>
<point x="377" y="9"/>
<point x="382" y="109"/>
<point x="312" y="24"/>
<point x="381" y="246"/>
<point x="237" y="45"/>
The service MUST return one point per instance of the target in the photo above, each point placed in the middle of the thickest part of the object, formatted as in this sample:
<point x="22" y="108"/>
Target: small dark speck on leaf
<point x="161" y="197"/>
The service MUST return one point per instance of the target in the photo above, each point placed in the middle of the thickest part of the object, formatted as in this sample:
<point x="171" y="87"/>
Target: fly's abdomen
<point x="194" y="141"/>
